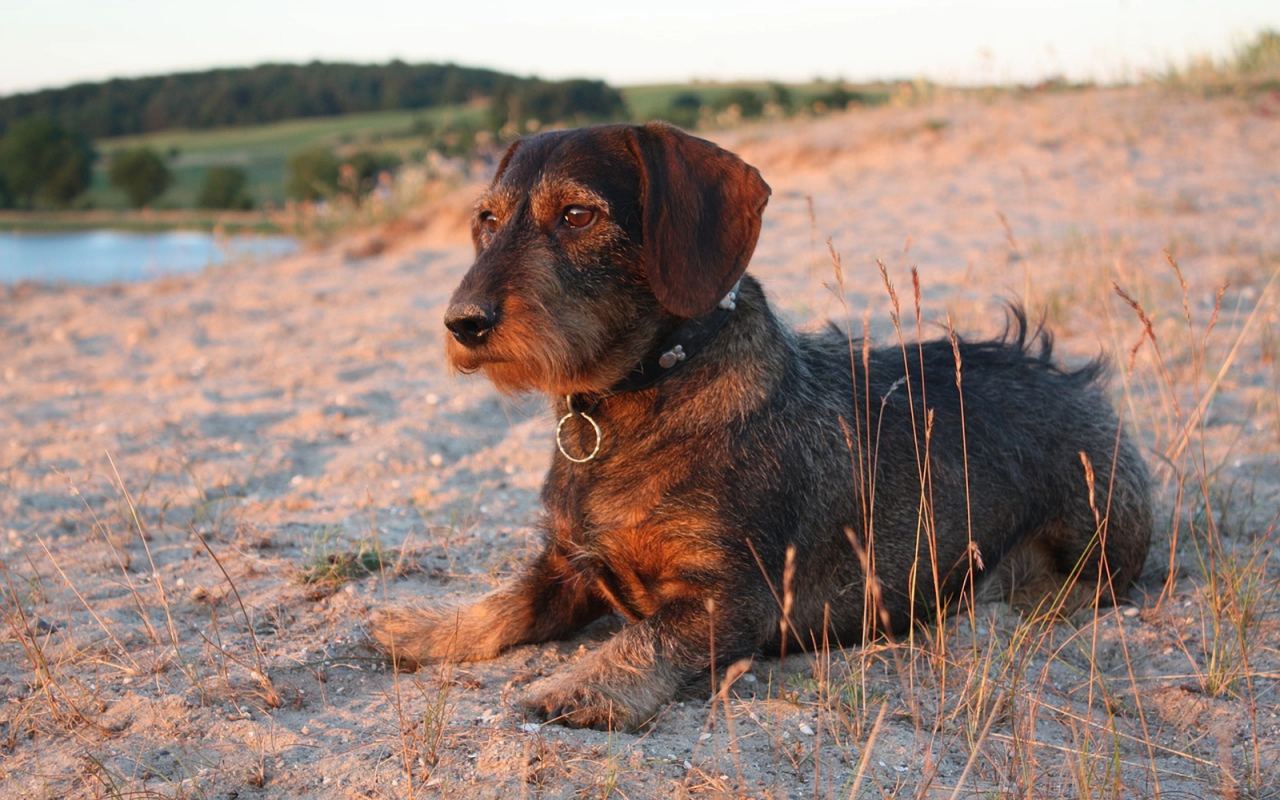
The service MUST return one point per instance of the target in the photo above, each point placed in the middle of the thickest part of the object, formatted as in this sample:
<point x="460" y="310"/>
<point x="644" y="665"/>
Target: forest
<point x="273" y="92"/>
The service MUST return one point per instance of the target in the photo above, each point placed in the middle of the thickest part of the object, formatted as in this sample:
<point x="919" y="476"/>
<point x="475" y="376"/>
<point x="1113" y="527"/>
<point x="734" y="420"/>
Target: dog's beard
<point x="511" y="377"/>
<point x="516" y="360"/>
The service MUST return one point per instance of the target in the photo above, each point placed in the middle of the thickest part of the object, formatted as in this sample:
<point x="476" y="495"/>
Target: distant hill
<point x="273" y="92"/>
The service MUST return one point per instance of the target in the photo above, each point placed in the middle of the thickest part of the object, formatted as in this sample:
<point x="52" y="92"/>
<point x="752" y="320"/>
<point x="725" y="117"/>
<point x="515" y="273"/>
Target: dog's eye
<point x="488" y="221"/>
<point x="578" y="216"/>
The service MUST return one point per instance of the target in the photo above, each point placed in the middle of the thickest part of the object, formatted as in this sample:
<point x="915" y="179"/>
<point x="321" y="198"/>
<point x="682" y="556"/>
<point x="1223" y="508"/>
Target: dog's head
<point x="589" y="244"/>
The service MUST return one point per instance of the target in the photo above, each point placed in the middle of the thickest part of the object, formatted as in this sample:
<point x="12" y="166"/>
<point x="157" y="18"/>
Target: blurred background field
<point x="277" y="139"/>
<point x="409" y="137"/>
<point x="263" y="151"/>
<point x="211" y="155"/>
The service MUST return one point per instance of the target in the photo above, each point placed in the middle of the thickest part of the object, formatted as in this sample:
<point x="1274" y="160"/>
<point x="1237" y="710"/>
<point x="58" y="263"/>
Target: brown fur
<point x="765" y="443"/>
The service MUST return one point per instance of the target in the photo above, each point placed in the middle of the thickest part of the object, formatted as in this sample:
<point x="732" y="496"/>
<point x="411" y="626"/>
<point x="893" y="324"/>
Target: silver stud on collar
<point x="672" y="357"/>
<point x="730" y="301"/>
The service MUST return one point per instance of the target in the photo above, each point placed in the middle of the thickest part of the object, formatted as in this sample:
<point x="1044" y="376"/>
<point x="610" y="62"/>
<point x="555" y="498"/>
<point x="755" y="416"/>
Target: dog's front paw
<point x="574" y="704"/>
<point x="570" y="700"/>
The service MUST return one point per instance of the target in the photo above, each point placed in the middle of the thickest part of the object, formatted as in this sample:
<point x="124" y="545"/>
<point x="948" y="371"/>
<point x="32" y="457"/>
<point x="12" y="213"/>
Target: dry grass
<point x="189" y="624"/>
<point x="1056" y="707"/>
<point x="1253" y="67"/>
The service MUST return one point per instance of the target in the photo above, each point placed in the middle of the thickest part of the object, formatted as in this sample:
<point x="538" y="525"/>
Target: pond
<point x="103" y="256"/>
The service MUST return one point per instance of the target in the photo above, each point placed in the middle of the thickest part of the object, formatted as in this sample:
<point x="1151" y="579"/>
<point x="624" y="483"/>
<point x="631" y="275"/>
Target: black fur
<point x="901" y="478"/>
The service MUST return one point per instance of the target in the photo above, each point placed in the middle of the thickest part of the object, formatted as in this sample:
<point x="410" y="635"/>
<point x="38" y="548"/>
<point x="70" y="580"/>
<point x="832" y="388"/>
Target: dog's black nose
<point x="469" y="323"/>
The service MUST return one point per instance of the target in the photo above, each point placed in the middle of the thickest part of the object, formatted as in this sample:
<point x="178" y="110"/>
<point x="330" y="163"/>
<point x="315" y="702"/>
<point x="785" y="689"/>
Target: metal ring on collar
<point x="594" y="426"/>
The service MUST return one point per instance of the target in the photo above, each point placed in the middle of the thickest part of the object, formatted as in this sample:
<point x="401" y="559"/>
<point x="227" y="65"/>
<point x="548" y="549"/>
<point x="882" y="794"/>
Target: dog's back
<point x="967" y="463"/>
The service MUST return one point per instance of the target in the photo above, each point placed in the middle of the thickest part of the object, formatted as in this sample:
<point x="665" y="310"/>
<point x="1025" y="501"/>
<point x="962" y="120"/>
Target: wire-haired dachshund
<point x="704" y="448"/>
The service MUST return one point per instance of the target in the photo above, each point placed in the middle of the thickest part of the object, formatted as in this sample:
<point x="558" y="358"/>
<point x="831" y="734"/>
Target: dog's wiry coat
<point x="886" y="463"/>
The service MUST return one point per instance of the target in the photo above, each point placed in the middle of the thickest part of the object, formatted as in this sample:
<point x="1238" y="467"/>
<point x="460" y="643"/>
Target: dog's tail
<point x="1032" y="345"/>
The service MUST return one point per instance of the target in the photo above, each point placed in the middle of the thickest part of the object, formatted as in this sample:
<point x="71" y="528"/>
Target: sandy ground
<point x="294" y="418"/>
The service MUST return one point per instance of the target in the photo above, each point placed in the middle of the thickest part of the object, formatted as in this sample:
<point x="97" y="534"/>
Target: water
<point x="107" y="256"/>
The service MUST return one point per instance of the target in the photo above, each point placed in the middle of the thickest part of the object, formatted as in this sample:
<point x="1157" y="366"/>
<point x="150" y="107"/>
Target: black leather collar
<point x="671" y="354"/>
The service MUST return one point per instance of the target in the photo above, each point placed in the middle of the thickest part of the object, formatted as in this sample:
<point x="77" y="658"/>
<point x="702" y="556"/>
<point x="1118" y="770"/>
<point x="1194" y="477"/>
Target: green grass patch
<point x="263" y="151"/>
<point x="328" y="567"/>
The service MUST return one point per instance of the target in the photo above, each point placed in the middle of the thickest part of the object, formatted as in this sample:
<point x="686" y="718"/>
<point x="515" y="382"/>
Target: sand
<point x="296" y="417"/>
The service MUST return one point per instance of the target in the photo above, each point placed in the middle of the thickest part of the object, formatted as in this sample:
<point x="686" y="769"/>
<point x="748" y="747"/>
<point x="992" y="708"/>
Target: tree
<point x="140" y="173"/>
<point x="780" y="96"/>
<point x="43" y="163"/>
<point x="363" y="169"/>
<point x="519" y="101"/>
<point x="225" y="188"/>
<point x="313" y="174"/>
<point x="837" y="98"/>
<point x="748" y="103"/>
<point x="684" y="109"/>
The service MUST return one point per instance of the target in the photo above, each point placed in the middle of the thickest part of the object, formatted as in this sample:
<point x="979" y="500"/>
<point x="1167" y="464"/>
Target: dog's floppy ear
<point x="701" y="217"/>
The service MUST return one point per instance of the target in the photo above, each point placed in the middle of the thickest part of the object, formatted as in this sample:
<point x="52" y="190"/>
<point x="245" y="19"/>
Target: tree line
<point x="274" y="92"/>
<point x="44" y="165"/>
<point x="47" y="155"/>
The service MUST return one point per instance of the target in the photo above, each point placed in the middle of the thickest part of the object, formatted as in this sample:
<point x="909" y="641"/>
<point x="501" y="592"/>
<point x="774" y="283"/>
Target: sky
<point x="57" y="42"/>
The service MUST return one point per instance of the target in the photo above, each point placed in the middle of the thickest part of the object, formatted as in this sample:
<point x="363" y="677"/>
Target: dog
<point x="727" y="485"/>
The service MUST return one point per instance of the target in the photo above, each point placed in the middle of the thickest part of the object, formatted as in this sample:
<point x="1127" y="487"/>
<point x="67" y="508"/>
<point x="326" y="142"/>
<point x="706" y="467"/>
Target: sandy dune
<point x="285" y="415"/>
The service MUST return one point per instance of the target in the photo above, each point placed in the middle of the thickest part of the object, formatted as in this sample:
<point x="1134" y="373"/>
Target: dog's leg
<point x="622" y="684"/>
<point x="546" y="601"/>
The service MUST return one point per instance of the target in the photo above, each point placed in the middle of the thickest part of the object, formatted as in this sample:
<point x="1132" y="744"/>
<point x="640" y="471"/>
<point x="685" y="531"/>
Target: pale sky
<point x="55" y="42"/>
